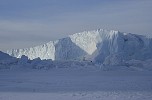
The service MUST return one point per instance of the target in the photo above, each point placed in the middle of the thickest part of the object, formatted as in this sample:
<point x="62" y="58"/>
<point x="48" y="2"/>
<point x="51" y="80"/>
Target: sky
<point x="27" y="23"/>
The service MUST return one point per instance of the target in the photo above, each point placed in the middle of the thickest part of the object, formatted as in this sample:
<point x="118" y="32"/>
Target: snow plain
<point x="75" y="84"/>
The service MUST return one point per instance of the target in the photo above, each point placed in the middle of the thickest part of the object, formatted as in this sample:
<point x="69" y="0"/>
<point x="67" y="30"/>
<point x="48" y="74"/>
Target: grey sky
<point x="26" y="23"/>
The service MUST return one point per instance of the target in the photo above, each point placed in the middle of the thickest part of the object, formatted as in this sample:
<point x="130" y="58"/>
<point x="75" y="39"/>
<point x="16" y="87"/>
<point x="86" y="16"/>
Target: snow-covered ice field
<point x="90" y="65"/>
<point x="75" y="84"/>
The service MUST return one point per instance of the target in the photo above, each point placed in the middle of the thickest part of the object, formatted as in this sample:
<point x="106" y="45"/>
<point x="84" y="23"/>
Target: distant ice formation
<point x="101" y="46"/>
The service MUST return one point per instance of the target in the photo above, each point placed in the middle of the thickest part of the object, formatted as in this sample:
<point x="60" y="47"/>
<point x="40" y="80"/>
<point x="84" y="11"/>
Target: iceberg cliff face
<point x="45" y="51"/>
<point x="98" y="45"/>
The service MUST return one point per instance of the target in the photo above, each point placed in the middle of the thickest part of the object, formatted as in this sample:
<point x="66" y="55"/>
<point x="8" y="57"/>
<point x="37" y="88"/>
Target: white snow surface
<point x="24" y="79"/>
<point x="75" y="84"/>
<point x="94" y="45"/>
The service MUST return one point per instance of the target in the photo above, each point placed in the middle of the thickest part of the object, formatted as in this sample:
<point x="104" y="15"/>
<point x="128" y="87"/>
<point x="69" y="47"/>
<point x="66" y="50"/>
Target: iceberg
<point x="101" y="46"/>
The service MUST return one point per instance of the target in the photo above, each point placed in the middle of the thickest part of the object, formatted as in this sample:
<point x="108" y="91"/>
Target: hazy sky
<point x="25" y="23"/>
